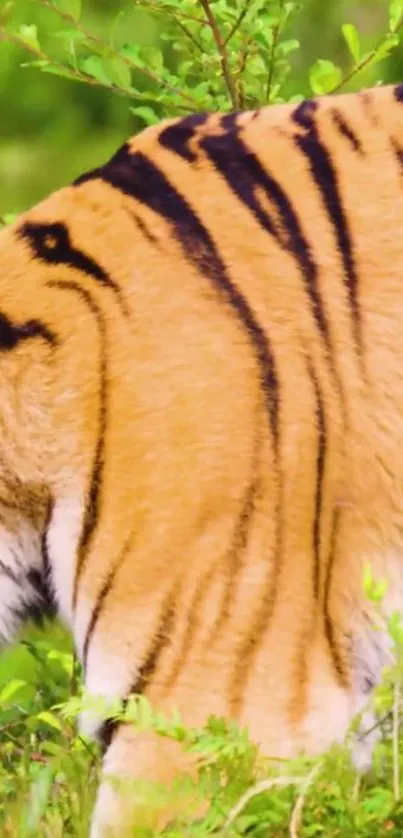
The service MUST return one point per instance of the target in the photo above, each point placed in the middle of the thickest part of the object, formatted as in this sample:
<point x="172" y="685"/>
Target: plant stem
<point x="273" y="50"/>
<point x="237" y="23"/>
<point x="222" y="49"/>
<point x="363" y="63"/>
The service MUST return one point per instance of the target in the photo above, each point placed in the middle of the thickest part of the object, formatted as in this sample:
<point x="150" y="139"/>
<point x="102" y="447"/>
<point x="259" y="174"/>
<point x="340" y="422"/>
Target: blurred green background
<point x="51" y="129"/>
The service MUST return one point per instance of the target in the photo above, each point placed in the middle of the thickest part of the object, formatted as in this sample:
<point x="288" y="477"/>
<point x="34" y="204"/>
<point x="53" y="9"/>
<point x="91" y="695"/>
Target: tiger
<point x="201" y="369"/>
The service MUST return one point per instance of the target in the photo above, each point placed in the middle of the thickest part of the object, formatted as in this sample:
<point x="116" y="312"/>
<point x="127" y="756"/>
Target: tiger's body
<point x="202" y="418"/>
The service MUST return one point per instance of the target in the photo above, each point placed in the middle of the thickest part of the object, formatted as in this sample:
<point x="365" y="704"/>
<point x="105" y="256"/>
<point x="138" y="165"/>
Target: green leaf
<point x="11" y="689"/>
<point x="118" y="71"/>
<point x="49" y="719"/>
<point x="8" y="218"/>
<point x="52" y="748"/>
<point x="391" y="41"/>
<point x="95" y="67"/>
<point x="29" y="35"/>
<point x="395" y="14"/>
<point x="324" y="76"/>
<point x="69" y="7"/>
<point x="290" y="45"/>
<point x="352" y="39"/>
<point x="146" y="113"/>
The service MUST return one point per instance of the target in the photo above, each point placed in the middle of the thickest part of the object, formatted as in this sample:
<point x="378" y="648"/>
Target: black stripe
<point x="14" y="577"/>
<point x="51" y="243"/>
<point x="143" y="227"/>
<point x="92" y="508"/>
<point x="158" y="644"/>
<point x="137" y="176"/>
<point x="338" y="663"/>
<point x="101" y="598"/>
<point x="12" y="334"/>
<point x="398" y="93"/>
<point x="346" y="130"/>
<point x="260" y="619"/>
<point x="398" y="152"/>
<point x="176" y="137"/>
<point x="320" y="470"/>
<point x="46" y="559"/>
<point x="325" y="176"/>
<point x="243" y="173"/>
<point x="193" y="624"/>
<point x="234" y="559"/>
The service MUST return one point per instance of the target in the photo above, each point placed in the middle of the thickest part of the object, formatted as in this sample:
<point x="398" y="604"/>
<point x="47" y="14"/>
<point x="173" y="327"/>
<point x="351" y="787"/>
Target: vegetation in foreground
<point x="49" y="774"/>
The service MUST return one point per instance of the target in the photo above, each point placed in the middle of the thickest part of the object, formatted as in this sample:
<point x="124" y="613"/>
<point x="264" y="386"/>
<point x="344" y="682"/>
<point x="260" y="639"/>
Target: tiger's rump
<point x="201" y="367"/>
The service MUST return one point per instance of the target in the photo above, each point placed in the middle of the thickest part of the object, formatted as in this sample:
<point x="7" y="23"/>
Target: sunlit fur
<point x="201" y="419"/>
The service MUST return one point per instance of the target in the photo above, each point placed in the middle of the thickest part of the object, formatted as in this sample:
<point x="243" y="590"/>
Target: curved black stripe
<point x="346" y="130"/>
<point x="398" y="152"/>
<point x="176" y="137"/>
<point x="338" y="663"/>
<point x="49" y="595"/>
<point x="92" y="509"/>
<point x="234" y="559"/>
<point x="136" y="175"/>
<point x="244" y="173"/>
<point x="51" y="243"/>
<point x="193" y="624"/>
<point x="102" y="596"/>
<point x="11" y="334"/>
<point x="143" y="227"/>
<point x="325" y="176"/>
<point x="320" y="470"/>
<point x="157" y="645"/>
<point x="260" y="619"/>
<point x="398" y="93"/>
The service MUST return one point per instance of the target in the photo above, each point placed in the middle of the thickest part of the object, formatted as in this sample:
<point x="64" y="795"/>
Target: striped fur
<point x="201" y="367"/>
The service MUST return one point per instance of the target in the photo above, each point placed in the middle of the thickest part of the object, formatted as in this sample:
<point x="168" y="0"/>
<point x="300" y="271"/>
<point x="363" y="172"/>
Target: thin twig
<point x="240" y="84"/>
<point x="176" y="17"/>
<point x="395" y="741"/>
<point x="161" y="9"/>
<point x="296" y="816"/>
<point x="363" y="63"/>
<point x="254" y="791"/>
<point x="273" y="50"/>
<point x="101" y="44"/>
<point x="189" y="35"/>
<point x="237" y="23"/>
<point x="225" y="65"/>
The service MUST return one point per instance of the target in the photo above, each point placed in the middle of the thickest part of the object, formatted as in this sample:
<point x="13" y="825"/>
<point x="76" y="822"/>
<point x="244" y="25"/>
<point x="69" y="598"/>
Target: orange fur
<point x="202" y="398"/>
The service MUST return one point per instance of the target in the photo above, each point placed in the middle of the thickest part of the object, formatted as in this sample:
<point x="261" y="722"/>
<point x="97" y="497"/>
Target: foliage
<point x="210" y="56"/>
<point x="48" y="773"/>
<point x="159" y="58"/>
<point x="274" y="50"/>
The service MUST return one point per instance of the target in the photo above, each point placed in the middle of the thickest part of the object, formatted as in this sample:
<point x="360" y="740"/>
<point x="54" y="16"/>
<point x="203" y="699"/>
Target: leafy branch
<point x="102" y="48"/>
<point x="223" y="52"/>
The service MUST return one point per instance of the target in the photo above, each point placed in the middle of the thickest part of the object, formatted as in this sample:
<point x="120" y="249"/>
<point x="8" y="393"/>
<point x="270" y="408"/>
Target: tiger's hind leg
<point x="137" y="786"/>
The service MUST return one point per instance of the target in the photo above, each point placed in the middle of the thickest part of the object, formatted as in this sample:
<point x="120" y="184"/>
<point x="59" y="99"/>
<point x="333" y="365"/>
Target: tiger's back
<point x="207" y="332"/>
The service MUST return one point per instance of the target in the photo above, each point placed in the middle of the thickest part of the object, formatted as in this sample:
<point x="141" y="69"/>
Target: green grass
<point x="48" y="774"/>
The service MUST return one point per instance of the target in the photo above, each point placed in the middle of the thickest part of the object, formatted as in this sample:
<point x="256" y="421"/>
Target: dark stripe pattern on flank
<point x="92" y="508"/>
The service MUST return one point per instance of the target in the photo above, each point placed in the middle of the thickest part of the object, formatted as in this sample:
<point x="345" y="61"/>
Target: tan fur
<point x="205" y="529"/>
